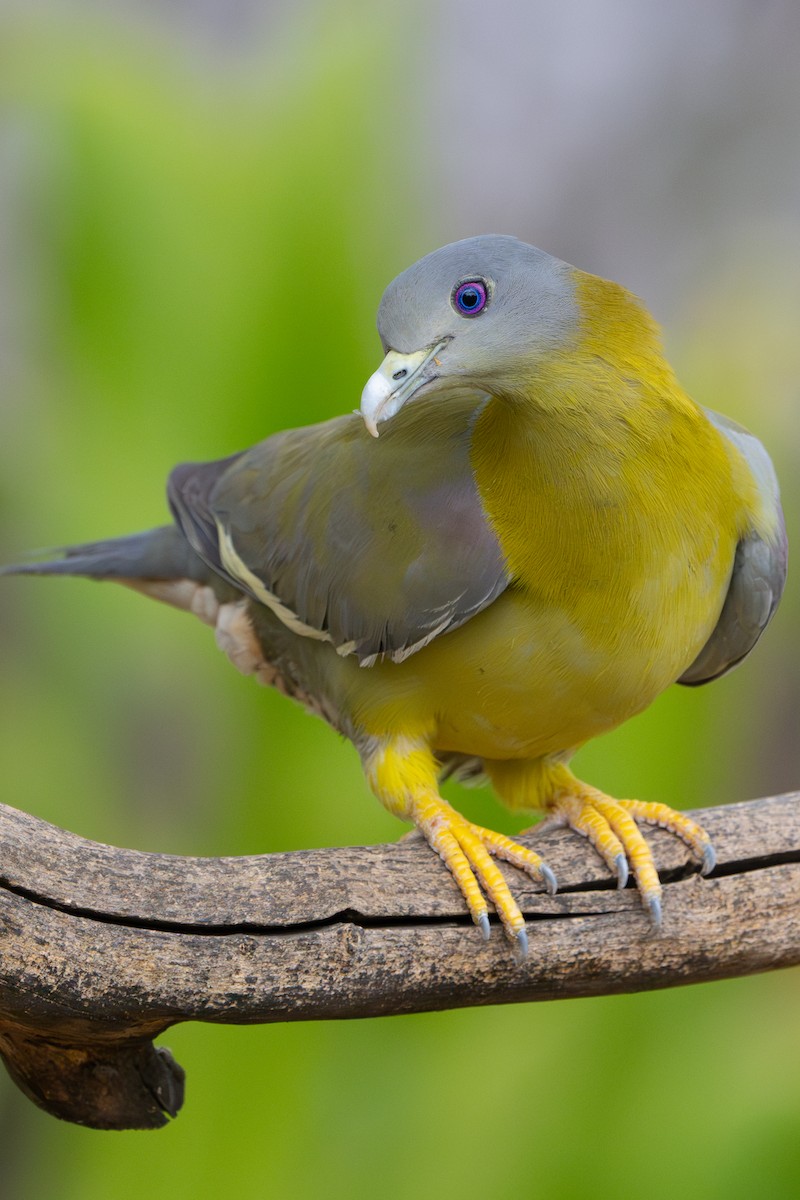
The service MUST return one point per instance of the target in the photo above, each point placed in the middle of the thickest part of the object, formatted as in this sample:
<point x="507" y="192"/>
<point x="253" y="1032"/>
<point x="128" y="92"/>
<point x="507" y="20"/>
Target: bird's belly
<point x="521" y="680"/>
<point x="545" y="688"/>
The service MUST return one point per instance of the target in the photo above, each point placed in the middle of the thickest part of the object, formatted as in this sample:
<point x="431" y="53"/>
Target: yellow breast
<point x="618" y="507"/>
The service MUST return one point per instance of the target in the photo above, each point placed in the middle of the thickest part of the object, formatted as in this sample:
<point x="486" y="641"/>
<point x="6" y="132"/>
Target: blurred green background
<point x="200" y="205"/>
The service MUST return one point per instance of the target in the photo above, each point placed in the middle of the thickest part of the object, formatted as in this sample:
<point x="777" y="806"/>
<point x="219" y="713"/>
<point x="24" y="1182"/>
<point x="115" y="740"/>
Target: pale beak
<point x="396" y="379"/>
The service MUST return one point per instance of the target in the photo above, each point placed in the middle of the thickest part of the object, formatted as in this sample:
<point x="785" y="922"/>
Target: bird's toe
<point x="469" y="852"/>
<point x="612" y="826"/>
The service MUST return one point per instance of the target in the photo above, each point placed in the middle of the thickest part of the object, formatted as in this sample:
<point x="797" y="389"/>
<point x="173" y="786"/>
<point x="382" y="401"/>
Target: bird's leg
<point x="609" y="824"/>
<point x="403" y="775"/>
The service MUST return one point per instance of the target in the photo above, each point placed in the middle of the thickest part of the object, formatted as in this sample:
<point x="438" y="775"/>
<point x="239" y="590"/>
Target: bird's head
<point x="481" y="312"/>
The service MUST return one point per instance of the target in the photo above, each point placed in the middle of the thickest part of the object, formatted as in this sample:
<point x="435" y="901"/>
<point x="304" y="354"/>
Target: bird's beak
<point x="397" y="379"/>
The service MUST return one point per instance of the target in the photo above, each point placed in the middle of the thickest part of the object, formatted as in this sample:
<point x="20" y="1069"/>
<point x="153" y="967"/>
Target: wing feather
<point x="758" y="576"/>
<point x="377" y="546"/>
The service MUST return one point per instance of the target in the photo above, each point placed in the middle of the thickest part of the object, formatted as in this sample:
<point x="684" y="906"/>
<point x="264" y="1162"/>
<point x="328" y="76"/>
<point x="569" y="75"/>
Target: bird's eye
<point x="470" y="298"/>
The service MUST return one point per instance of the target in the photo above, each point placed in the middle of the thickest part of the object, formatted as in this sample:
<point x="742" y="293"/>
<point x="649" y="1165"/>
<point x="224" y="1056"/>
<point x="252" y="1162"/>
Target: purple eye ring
<point x="470" y="297"/>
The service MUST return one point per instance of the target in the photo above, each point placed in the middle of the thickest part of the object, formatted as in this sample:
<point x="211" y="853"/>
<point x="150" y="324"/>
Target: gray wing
<point x="758" y="576"/>
<point x="377" y="546"/>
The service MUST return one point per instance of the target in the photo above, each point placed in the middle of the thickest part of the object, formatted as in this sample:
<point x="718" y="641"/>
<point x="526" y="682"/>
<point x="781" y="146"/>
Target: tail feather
<point x="161" y="553"/>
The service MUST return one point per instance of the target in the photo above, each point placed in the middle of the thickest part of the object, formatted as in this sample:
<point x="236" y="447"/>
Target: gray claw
<point x="549" y="879"/>
<point x="483" y="925"/>
<point x="621" y="870"/>
<point x="709" y="860"/>
<point x="653" y="906"/>
<point x="521" y="948"/>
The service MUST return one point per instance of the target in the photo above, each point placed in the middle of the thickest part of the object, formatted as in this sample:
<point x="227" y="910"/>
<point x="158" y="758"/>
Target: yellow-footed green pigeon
<point x="527" y="534"/>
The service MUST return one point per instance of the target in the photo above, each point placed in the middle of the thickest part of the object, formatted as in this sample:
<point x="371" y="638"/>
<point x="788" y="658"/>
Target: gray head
<point x="478" y="312"/>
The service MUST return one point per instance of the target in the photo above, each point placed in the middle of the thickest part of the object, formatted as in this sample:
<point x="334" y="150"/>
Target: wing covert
<point x="377" y="546"/>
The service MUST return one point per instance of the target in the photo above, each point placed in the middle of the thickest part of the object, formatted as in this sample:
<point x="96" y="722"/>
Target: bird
<point x="525" y="533"/>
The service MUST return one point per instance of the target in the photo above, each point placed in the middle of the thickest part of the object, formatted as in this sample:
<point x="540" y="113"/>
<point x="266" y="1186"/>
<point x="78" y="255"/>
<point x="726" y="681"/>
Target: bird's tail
<point x="157" y="554"/>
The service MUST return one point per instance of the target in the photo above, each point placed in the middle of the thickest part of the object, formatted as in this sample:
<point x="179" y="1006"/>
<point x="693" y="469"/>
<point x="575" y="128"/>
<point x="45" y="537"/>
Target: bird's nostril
<point x="401" y="374"/>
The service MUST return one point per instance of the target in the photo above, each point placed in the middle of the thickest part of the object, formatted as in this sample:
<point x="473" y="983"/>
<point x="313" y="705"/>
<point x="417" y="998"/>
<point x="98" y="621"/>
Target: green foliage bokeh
<point x="198" y="261"/>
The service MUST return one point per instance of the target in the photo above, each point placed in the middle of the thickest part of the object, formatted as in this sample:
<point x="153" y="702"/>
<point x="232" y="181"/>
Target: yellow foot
<point x="610" y="825"/>
<point x="467" y="850"/>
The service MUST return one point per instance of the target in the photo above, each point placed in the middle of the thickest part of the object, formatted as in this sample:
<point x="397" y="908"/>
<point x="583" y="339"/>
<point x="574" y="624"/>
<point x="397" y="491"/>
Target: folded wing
<point x="377" y="546"/>
<point x="759" y="572"/>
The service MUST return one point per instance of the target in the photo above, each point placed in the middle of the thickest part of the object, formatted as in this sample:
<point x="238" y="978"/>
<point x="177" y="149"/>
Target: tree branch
<point x="101" y="949"/>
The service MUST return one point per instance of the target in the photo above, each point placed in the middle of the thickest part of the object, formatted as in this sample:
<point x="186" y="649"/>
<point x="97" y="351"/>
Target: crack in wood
<point x="102" y="949"/>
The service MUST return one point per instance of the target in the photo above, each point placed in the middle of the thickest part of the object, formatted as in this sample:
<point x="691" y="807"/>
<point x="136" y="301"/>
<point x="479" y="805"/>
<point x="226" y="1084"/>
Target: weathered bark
<point x="101" y="949"/>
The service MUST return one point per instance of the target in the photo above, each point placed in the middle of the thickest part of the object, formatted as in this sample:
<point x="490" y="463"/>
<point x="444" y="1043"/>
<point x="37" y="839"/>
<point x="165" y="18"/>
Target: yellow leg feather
<point x="403" y="775"/>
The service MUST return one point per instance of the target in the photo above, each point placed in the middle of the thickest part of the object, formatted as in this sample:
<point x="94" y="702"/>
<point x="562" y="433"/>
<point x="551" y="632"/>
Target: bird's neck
<point x="601" y="467"/>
